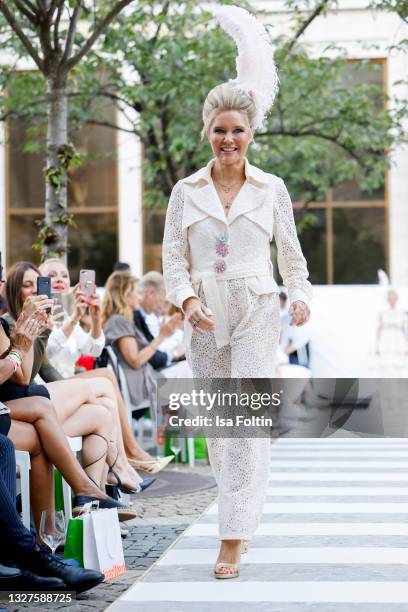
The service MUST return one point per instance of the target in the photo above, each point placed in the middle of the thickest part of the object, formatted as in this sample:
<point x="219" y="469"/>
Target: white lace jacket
<point x="202" y="245"/>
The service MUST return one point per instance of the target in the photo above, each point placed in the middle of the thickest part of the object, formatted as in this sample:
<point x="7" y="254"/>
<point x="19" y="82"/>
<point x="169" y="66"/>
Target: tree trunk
<point x="56" y="179"/>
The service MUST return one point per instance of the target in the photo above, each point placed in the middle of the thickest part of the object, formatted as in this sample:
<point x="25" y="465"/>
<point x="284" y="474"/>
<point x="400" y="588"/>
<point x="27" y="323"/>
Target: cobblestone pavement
<point x="160" y="521"/>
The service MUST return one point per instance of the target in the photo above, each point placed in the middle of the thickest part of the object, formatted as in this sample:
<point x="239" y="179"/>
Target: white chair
<point x="143" y="424"/>
<point x="76" y="446"/>
<point x="23" y="465"/>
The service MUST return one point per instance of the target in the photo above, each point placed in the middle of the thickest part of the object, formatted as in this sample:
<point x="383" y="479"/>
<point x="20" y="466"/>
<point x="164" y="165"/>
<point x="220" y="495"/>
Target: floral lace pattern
<point x="250" y="311"/>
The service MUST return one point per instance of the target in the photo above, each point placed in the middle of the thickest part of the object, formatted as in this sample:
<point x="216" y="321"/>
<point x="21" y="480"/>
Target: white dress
<point x="393" y="343"/>
<point x="225" y="261"/>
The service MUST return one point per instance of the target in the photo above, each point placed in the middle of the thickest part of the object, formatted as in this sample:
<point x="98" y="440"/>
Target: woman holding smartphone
<point x="69" y="341"/>
<point x="33" y="426"/>
<point x="81" y="405"/>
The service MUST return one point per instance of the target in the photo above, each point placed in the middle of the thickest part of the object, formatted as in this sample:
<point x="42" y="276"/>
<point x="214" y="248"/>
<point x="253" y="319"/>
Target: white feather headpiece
<point x="256" y="70"/>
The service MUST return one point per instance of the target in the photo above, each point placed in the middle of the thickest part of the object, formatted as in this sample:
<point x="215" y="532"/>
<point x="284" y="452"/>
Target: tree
<point x="57" y="35"/>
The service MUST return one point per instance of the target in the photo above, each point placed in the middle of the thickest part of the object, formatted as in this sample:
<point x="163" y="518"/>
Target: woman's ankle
<point x="140" y="455"/>
<point x="91" y="490"/>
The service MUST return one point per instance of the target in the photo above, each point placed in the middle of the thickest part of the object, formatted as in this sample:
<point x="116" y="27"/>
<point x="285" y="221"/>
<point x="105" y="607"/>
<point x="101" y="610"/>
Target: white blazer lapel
<point x="200" y="203"/>
<point x="248" y="199"/>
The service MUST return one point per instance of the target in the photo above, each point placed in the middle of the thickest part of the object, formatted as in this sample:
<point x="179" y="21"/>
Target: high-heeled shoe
<point x="120" y="486"/>
<point x="124" y="512"/>
<point x="151" y="467"/>
<point x="147" y="482"/>
<point x="224" y="571"/>
<point x="244" y="547"/>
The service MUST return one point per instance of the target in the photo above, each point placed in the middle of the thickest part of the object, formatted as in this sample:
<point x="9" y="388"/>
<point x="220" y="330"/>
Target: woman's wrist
<point x="15" y="357"/>
<point x="74" y="320"/>
<point x="159" y="338"/>
<point x="188" y="302"/>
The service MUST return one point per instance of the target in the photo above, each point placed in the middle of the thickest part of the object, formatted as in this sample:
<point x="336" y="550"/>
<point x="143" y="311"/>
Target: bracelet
<point x="16" y="362"/>
<point x="15" y="356"/>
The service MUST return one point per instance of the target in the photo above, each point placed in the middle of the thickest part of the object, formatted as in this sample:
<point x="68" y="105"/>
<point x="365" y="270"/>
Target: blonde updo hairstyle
<point x="226" y="97"/>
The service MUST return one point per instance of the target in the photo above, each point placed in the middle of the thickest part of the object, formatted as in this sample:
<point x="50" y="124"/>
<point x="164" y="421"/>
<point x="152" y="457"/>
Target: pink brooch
<point x="222" y="246"/>
<point x="220" y="266"/>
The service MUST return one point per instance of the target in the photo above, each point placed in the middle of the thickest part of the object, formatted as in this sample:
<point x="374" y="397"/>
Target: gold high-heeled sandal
<point x="231" y="570"/>
<point x="151" y="467"/>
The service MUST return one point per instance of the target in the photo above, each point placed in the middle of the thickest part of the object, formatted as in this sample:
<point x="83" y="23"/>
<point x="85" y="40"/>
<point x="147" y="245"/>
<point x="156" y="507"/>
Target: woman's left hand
<point x="300" y="313"/>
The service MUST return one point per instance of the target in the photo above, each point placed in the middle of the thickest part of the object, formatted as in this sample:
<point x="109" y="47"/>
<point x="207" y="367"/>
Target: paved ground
<point x="160" y="521"/>
<point x="333" y="538"/>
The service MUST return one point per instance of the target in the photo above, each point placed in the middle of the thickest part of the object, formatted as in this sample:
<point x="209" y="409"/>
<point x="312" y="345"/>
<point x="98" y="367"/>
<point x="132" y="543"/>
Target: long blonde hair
<point x="117" y="288"/>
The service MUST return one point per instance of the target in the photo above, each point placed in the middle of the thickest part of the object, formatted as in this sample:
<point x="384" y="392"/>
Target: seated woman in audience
<point x="34" y="427"/>
<point x="69" y="342"/>
<point x="120" y="300"/>
<point x="81" y="408"/>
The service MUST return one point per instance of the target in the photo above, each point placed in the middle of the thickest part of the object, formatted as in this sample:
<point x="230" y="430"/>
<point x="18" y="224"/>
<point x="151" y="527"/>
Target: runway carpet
<point x="333" y="538"/>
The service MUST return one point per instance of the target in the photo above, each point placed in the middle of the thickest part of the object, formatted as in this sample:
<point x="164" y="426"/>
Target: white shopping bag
<point x="102" y="542"/>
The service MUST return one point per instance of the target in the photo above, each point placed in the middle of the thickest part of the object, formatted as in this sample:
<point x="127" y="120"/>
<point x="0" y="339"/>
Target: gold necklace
<point x="227" y="188"/>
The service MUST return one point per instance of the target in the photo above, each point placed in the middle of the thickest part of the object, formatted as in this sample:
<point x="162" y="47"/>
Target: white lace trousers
<point x="240" y="465"/>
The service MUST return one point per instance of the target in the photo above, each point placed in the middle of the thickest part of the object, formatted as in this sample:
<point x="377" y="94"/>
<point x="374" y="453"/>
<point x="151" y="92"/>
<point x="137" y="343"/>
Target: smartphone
<point x="87" y="283"/>
<point x="57" y="297"/>
<point x="44" y="288"/>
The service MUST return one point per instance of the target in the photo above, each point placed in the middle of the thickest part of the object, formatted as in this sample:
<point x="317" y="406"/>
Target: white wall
<point x="343" y="329"/>
<point x="130" y="200"/>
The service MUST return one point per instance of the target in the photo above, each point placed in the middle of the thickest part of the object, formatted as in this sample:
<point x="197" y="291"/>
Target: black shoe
<point x="28" y="581"/>
<point x="81" y="500"/>
<point x="124" y="513"/>
<point x="72" y="562"/>
<point x="147" y="482"/>
<point x="8" y="573"/>
<point x="76" y="578"/>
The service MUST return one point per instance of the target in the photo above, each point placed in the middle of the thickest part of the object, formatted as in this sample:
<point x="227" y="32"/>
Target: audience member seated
<point x="34" y="426"/>
<point x="120" y="300"/>
<point x="66" y="343"/>
<point x="38" y="569"/>
<point x="151" y="300"/>
<point x="81" y="408"/>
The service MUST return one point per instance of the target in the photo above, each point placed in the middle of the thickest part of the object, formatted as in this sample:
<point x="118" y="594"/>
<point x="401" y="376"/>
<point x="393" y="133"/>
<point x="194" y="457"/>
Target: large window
<point x="347" y="242"/>
<point x="92" y="197"/>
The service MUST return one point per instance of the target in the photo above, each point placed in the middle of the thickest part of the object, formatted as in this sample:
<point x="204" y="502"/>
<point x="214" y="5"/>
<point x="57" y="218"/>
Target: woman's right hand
<point x="37" y="305"/>
<point x="26" y="331"/>
<point x="195" y="312"/>
<point x="80" y="304"/>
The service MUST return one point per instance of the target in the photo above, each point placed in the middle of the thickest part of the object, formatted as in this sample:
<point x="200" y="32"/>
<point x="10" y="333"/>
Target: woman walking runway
<point x="216" y="260"/>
